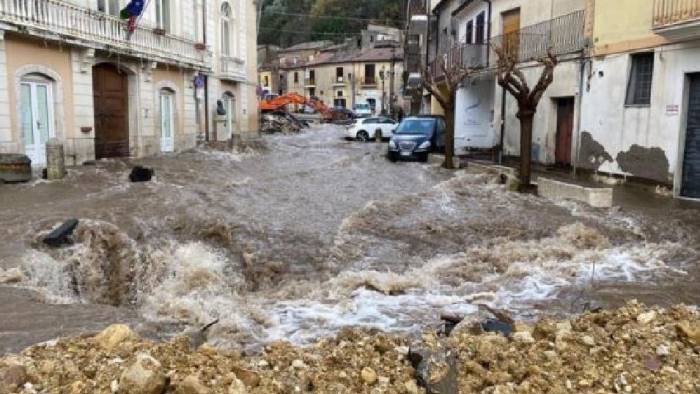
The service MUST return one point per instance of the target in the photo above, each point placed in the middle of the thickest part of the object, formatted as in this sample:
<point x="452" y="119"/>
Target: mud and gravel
<point x="635" y="349"/>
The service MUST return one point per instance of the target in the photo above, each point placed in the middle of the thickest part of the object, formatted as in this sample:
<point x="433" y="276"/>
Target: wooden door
<point x="111" y="100"/>
<point x="511" y="32"/>
<point x="691" y="157"/>
<point x="565" y="130"/>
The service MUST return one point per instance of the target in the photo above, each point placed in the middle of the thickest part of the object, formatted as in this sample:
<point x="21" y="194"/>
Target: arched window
<point x="227" y="29"/>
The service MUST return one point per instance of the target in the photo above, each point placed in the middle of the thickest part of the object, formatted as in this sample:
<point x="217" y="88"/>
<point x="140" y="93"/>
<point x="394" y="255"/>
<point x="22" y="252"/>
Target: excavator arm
<point x="279" y="103"/>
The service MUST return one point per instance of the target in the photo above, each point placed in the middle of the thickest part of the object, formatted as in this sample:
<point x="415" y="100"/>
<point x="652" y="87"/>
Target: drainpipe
<point x="503" y="126"/>
<point x="206" y="77"/>
<point x="488" y="31"/>
<point x="579" y="116"/>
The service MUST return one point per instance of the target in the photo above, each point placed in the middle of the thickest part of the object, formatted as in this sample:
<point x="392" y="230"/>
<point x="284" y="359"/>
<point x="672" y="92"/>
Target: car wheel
<point x="392" y="158"/>
<point x="363" y="136"/>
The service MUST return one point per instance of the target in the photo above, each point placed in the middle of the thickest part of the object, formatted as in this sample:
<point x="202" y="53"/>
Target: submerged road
<point x="313" y="234"/>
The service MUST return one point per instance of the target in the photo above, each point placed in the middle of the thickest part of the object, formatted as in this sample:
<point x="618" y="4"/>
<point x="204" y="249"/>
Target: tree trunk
<point x="449" y="139"/>
<point x="526" y="121"/>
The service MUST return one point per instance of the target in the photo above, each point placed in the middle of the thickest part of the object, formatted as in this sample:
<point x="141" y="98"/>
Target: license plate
<point x="405" y="153"/>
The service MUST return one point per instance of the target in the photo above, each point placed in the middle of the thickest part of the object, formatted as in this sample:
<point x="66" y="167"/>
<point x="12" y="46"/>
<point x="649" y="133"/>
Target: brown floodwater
<point x="313" y="234"/>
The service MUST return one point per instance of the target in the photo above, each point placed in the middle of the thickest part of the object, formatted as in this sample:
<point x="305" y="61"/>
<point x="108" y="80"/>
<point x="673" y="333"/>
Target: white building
<point x="485" y="115"/>
<point x="71" y="70"/>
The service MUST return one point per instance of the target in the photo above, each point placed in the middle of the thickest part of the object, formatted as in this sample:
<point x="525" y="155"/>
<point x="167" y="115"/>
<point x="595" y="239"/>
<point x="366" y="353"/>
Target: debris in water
<point x="141" y="174"/>
<point x="61" y="235"/>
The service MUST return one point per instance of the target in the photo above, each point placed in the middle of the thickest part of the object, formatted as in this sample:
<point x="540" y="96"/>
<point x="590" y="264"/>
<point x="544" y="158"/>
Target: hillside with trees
<point x="289" y="22"/>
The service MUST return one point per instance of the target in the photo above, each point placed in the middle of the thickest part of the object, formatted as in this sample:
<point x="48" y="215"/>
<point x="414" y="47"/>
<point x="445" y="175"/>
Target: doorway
<point x="37" y="119"/>
<point x="111" y="100"/>
<point x="230" y="106"/>
<point x="167" y="121"/>
<point x="691" y="157"/>
<point x="565" y="130"/>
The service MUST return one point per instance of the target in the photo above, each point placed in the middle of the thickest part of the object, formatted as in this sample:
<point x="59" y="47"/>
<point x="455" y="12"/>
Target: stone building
<point x="368" y="69"/>
<point x="72" y="70"/>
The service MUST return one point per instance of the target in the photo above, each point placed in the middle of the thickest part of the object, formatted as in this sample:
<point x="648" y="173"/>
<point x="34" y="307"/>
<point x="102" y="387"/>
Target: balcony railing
<point x="562" y="35"/>
<point x="337" y="81"/>
<point x="310" y="82"/>
<point x="473" y="56"/>
<point x="369" y="81"/>
<point x="671" y="12"/>
<point x="60" y="19"/>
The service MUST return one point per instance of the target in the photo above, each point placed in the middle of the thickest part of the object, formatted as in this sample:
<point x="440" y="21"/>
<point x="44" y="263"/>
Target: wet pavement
<point x="316" y="233"/>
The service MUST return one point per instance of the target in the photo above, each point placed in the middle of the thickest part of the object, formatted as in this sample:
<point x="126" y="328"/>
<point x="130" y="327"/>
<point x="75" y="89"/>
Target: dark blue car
<point x="416" y="137"/>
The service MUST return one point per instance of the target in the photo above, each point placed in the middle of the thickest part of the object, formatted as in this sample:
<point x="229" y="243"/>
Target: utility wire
<point x="331" y="17"/>
<point x="310" y="33"/>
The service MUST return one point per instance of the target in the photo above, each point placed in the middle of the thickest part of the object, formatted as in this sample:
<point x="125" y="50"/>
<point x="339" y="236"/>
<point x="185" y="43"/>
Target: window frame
<point x="164" y="20"/>
<point x="469" y="32"/>
<point x="227" y="30"/>
<point x="633" y="97"/>
<point x="480" y="28"/>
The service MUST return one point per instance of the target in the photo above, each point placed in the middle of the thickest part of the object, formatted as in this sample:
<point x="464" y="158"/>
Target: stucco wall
<point x="174" y="80"/>
<point x="647" y="135"/>
<point x="566" y="84"/>
<point x="21" y="53"/>
<point x="623" y="25"/>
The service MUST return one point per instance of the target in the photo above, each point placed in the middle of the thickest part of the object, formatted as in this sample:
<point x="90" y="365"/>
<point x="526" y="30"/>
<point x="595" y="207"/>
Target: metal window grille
<point x="641" y="75"/>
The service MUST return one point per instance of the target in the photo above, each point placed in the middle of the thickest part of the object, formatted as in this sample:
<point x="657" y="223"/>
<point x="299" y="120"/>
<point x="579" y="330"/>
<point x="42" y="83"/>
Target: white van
<point x="362" y="110"/>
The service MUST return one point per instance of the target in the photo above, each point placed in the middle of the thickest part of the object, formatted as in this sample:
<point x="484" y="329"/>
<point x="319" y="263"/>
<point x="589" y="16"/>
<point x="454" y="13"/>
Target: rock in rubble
<point x="115" y="335"/>
<point x="191" y="385"/>
<point x="368" y="376"/>
<point x="249" y="378"/>
<point x="144" y="376"/>
<point x="436" y="370"/>
<point x="237" y="387"/>
<point x="690" y="332"/>
<point x="15" y="375"/>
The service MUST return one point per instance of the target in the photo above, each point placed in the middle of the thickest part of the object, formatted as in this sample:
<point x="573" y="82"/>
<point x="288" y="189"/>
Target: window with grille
<point x="480" y="28"/>
<point x="470" y="32"/>
<point x="641" y="75"/>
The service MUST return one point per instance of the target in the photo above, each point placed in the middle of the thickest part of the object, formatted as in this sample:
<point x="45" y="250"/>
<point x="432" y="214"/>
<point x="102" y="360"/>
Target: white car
<point x="362" y="110"/>
<point x="367" y="129"/>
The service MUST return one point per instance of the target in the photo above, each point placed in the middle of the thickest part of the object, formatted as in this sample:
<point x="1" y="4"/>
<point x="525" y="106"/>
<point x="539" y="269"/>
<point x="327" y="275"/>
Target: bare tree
<point x="512" y="79"/>
<point x="445" y="92"/>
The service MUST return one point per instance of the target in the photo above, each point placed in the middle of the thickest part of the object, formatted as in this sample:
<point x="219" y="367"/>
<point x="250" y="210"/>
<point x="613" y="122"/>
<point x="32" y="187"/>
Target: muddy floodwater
<point x="314" y="234"/>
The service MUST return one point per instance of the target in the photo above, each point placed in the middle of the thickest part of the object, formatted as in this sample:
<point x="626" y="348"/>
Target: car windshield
<point x="362" y="106"/>
<point x="416" y="126"/>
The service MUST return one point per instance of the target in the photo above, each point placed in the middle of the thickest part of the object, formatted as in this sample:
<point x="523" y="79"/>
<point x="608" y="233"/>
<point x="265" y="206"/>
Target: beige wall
<point x="171" y="79"/>
<point x="623" y="25"/>
<point x="22" y="52"/>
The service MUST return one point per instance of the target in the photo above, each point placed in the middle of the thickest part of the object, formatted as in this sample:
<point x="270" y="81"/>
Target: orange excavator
<point x="280" y="102"/>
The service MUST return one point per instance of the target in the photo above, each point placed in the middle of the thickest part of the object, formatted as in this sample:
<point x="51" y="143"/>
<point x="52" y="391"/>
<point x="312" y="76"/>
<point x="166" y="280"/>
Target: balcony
<point x="676" y="19"/>
<point x="232" y="69"/>
<point x="310" y="82"/>
<point x="468" y="56"/>
<point x="60" y="20"/>
<point x="338" y="81"/>
<point x="369" y="81"/>
<point x="562" y="35"/>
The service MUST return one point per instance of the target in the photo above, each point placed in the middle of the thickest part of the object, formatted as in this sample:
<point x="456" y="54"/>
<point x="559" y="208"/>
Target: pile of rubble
<point x="634" y="349"/>
<point x="281" y="122"/>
